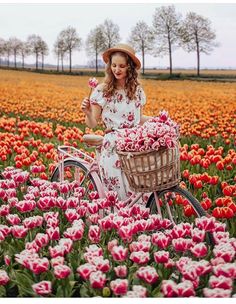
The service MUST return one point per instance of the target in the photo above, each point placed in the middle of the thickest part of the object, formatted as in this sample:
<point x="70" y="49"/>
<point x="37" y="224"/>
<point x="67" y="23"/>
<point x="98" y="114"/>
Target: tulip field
<point x="53" y="240"/>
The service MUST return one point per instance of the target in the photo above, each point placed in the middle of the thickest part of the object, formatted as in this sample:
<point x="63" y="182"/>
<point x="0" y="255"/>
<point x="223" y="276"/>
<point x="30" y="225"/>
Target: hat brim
<point x="106" y="55"/>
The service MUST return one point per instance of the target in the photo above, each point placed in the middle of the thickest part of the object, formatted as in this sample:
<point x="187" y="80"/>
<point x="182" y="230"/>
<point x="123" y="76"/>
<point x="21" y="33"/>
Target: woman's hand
<point x="85" y="106"/>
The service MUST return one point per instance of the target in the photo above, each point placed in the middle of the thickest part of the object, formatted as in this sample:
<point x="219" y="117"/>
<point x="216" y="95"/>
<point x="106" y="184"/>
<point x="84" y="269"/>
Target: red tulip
<point x="161" y="240"/>
<point x="72" y="202"/>
<point x="53" y="233"/>
<point x="220" y="282"/>
<point x="101" y="264"/>
<point x="42" y="239"/>
<point x="121" y="271"/>
<point x="198" y="184"/>
<point x="94" y="234"/>
<point x="74" y="233"/>
<point x="216" y="293"/>
<point x="4" y="278"/>
<point x="57" y="261"/>
<point x="71" y="215"/>
<point x="185" y="289"/>
<point x="7" y="260"/>
<point x="189" y="272"/>
<point x="93" y="208"/>
<point x="119" y="286"/>
<point x="214" y="180"/>
<point x="42" y="288"/>
<point x="112" y="198"/>
<point x="56" y="251"/>
<point x="111" y="244"/>
<point x="137" y="291"/>
<point x="19" y="231"/>
<point x="161" y="256"/>
<point x="33" y="221"/>
<point x="126" y="233"/>
<point x="4" y="210"/>
<point x="206" y="203"/>
<point x="220" y="165"/>
<point x="140" y="246"/>
<point x="182" y="244"/>
<point x="119" y="253"/>
<point x="199" y="250"/>
<point x="169" y="288"/>
<point x="67" y="244"/>
<point x="97" y="279"/>
<point x="85" y="270"/>
<point x="225" y="251"/>
<point x="228" y="270"/>
<point x="140" y="257"/>
<point x="13" y="219"/>
<point x="206" y="223"/>
<point x="198" y="235"/>
<point x="62" y="271"/>
<point x="148" y="274"/>
<point x="228" y="191"/>
<point x="39" y="265"/>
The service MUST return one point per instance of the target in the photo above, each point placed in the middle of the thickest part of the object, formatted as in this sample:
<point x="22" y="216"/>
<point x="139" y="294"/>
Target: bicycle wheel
<point x="74" y="170"/>
<point x="178" y="205"/>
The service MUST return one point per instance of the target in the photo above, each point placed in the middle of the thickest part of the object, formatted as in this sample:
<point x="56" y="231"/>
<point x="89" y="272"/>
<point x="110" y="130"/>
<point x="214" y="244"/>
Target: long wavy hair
<point x="131" y="81"/>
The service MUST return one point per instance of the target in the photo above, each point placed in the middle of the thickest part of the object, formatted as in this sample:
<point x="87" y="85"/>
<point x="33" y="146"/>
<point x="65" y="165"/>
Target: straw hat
<point x="122" y="48"/>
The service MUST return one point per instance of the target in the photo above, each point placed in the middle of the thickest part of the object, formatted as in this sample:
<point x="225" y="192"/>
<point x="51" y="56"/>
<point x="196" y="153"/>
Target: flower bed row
<point x="54" y="242"/>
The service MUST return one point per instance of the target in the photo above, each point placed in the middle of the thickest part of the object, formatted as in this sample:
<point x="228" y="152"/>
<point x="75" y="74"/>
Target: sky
<point x="47" y="20"/>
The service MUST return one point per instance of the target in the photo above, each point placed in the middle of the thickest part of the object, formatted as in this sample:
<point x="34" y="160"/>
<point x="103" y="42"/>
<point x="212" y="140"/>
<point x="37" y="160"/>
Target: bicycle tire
<point x="191" y="200"/>
<point x="74" y="163"/>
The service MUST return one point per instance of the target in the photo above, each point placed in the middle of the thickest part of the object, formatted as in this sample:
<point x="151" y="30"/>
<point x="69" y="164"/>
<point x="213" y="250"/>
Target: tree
<point x="197" y="36"/>
<point x="43" y="51"/>
<point x="166" y="28"/>
<point x="2" y="49"/>
<point x="71" y="41"/>
<point x="8" y="50"/>
<point x="95" y="43"/>
<point x="111" y="33"/>
<point x="24" y="51"/>
<point x="34" y="42"/>
<point x="142" y="39"/>
<point x="60" y="51"/>
<point x="15" y="45"/>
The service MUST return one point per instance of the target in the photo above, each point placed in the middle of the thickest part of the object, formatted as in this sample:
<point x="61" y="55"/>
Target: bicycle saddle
<point x="93" y="140"/>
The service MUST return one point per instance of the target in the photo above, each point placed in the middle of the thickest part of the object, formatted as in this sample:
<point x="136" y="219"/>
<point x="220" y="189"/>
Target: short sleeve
<point x="142" y="96"/>
<point x="97" y="97"/>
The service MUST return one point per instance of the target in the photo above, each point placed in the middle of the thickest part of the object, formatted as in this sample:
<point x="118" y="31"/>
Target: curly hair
<point x="131" y="82"/>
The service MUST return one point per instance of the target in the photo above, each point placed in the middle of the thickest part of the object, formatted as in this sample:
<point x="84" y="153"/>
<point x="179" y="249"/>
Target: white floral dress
<point x="118" y="112"/>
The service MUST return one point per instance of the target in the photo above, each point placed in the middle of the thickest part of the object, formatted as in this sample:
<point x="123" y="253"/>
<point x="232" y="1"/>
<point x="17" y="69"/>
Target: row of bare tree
<point x="168" y="32"/>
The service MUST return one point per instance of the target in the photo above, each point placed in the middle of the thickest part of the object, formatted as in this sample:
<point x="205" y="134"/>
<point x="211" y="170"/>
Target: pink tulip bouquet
<point x="93" y="82"/>
<point x="159" y="131"/>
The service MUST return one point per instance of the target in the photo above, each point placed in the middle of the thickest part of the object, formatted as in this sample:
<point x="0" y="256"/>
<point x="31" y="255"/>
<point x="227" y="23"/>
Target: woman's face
<point x="119" y="66"/>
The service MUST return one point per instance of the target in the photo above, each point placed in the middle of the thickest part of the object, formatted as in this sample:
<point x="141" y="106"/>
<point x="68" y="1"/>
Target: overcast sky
<point x="47" y="20"/>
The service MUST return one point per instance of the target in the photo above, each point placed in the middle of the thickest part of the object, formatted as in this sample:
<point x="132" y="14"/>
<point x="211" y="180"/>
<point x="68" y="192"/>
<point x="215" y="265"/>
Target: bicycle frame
<point x="91" y="164"/>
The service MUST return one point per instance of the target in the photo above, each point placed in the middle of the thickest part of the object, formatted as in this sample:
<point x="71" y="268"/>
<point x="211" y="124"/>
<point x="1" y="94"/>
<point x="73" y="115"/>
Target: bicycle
<point x="75" y="164"/>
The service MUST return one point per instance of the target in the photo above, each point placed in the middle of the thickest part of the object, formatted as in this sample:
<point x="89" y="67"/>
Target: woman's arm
<point x="144" y="118"/>
<point x="93" y="116"/>
<point x="92" y="113"/>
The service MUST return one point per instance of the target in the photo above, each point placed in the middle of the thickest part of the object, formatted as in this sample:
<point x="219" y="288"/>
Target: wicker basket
<point x="151" y="170"/>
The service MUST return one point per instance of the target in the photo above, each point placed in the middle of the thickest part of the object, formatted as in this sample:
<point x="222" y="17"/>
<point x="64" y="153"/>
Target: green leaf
<point x="156" y="293"/>
<point x="59" y="293"/>
<point x="2" y="292"/>
<point x="24" y="283"/>
<point x="84" y="292"/>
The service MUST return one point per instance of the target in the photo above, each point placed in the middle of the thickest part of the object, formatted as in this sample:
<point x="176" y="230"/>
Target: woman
<point x="118" y="101"/>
